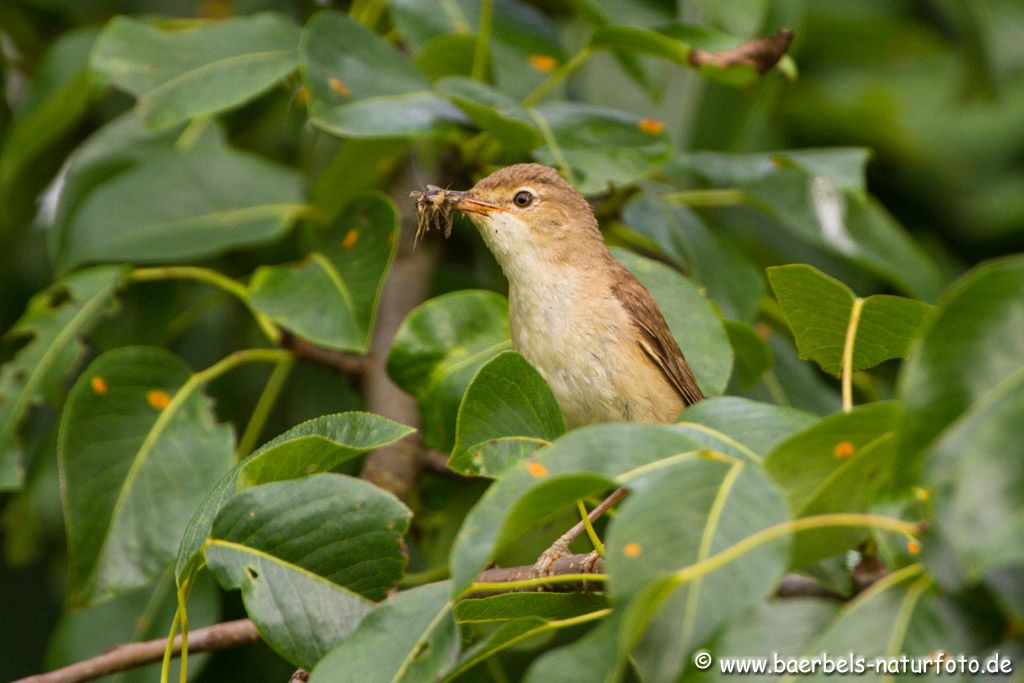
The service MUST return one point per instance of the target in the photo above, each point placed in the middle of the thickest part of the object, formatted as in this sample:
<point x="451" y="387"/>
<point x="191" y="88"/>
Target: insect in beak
<point x="434" y="208"/>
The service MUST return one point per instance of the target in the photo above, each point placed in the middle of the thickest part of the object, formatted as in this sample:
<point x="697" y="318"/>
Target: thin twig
<point x="132" y="655"/>
<point x="340" y="361"/>
<point x="761" y="53"/>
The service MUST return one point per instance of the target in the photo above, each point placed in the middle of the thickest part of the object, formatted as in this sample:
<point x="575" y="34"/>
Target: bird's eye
<point x="523" y="199"/>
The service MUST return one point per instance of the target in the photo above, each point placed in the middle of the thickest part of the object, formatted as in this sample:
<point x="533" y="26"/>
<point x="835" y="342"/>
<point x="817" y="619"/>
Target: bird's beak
<point x="466" y="203"/>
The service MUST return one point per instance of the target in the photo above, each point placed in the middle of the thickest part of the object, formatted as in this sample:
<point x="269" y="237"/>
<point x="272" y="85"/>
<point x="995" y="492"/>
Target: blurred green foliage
<point x="186" y="184"/>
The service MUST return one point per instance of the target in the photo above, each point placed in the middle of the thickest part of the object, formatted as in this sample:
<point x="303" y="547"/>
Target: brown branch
<point x="798" y="586"/>
<point x="132" y="655"/>
<point x="340" y="361"/>
<point x="582" y="563"/>
<point x="761" y="53"/>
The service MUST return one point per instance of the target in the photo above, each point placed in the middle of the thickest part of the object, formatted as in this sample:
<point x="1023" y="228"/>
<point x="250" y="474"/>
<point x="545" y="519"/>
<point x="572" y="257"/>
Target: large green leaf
<point x="317" y="445"/>
<point x="583" y="462"/>
<point x="819" y="310"/>
<point x="115" y="147"/>
<point x="508" y="606"/>
<point x="302" y="551"/>
<point x="691" y="318"/>
<point x="731" y="280"/>
<point x="409" y="637"/>
<point x="591" y="658"/>
<point x="971" y="345"/>
<point x="782" y="627"/>
<point x="54" y="323"/>
<point x="899" y="615"/>
<point x="180" y="72"/>
<point x="751" y="352"/>
<point x="139" y="447"/>
<point x="599" y="146"/>
<point x="58" y="97"/>
<point x="678" y="516"/>
<point x="184" y="205"/>
<point x="360" y="86"/>
<point x="439" y="347"/>
<point x="507" y="412"/>
<point x="344" y="276"/>
<point x="492" y="110"/>
<point x="741" y="427"/>
<point x="841" y="463"/>
<point x="978" y="483"/>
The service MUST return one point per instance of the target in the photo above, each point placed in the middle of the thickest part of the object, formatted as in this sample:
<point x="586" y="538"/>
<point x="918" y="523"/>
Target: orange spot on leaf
<point x="763" y="331"/>
<point x="913" y="547"/>
<point x="350" y="239"/>
<point x="339" y="87"/>
<point x="844" y="449"/>
<point x="631" y="549"/>
<point x="158" y="399"/>
<point x="652" y="126"/>
<point x="303" y="95"/>
<point x="536" y="469"/>
<point x="543" y="63"/>
<point x="921" y="494"/>
<point x="98" y="384"/>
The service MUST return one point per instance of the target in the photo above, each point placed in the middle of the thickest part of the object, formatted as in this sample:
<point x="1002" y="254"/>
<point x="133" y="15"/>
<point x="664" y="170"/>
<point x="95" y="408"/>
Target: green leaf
<point x="184" y="205"/>
<point x="741" y="427"/>
<point x="508" y="400"/>
<point x="978" y="483"/>
<point x="973" y="342"/>
<point x="782" y="627"/>
<point x="676" y="517"/>
<point x="308" y="547"/>
<point x="56" y="98"/>
<point x="181" y="73"/>
<point x="54" y="321"/>
<point x="591" y="658"/>
<point x="838" y="464"/>
<point x="344" y="275"/>
<point x="447" y="55"/>
<point x="691" y="318"/>
<point x="492" y="110"/>
<point x="117" y="146"/>
<point x="583" y="462"/>
<point x="731" y="280"/>
<point x="819" y="309"/>
<point x="439" y="347"/>
<point x="317" y="445"/>
<point x="409" y="637"/>
<point x="138" y="449"/>
<point x="503" y="637"/>
<point x="360" y="86"/>
<point x="599" y="146"/>
<point x="397" y="116"/>
<point x="899" y="615"/>
<point x="510" y="606"/>
<point x="844" y="166"/>
<point x="753" y="357"/>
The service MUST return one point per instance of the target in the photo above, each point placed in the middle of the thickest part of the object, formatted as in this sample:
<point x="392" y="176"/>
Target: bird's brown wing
<point x="655" y="338"/>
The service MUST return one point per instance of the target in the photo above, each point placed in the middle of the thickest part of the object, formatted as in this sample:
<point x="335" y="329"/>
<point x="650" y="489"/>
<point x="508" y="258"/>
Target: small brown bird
<point x="587" y="325"/>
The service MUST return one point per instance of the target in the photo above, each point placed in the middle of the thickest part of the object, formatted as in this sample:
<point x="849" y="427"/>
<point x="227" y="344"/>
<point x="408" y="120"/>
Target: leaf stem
<point x="165" y="667"/>
<point x="707" y="198"/>
<point x="559" y="75"/>
<point x="481" y="50"/>
<point x="839" y="519"/>
<point x="482" y="586"/>
<point x="261" y="412"/>
<point x="595" y="540"/>
<point x="210" y="277"/>
<point x="851" y="336"/>
<point x="551" y="141"/>
<point x="183" y="610"/>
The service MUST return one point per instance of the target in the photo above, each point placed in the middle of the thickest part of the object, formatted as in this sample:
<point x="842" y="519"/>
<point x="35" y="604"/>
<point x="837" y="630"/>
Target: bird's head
<point x="528" y="211"/>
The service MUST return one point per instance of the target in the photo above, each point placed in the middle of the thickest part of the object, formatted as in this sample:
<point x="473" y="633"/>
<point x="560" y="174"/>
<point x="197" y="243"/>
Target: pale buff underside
<point x="567" y="322"/>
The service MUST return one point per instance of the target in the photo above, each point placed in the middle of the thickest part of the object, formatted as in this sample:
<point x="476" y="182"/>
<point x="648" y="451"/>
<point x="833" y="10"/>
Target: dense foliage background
<point x="200" y="203"/>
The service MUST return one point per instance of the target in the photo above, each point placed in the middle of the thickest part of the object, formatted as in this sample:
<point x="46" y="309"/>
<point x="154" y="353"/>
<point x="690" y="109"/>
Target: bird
<point x="588" y="326"/>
